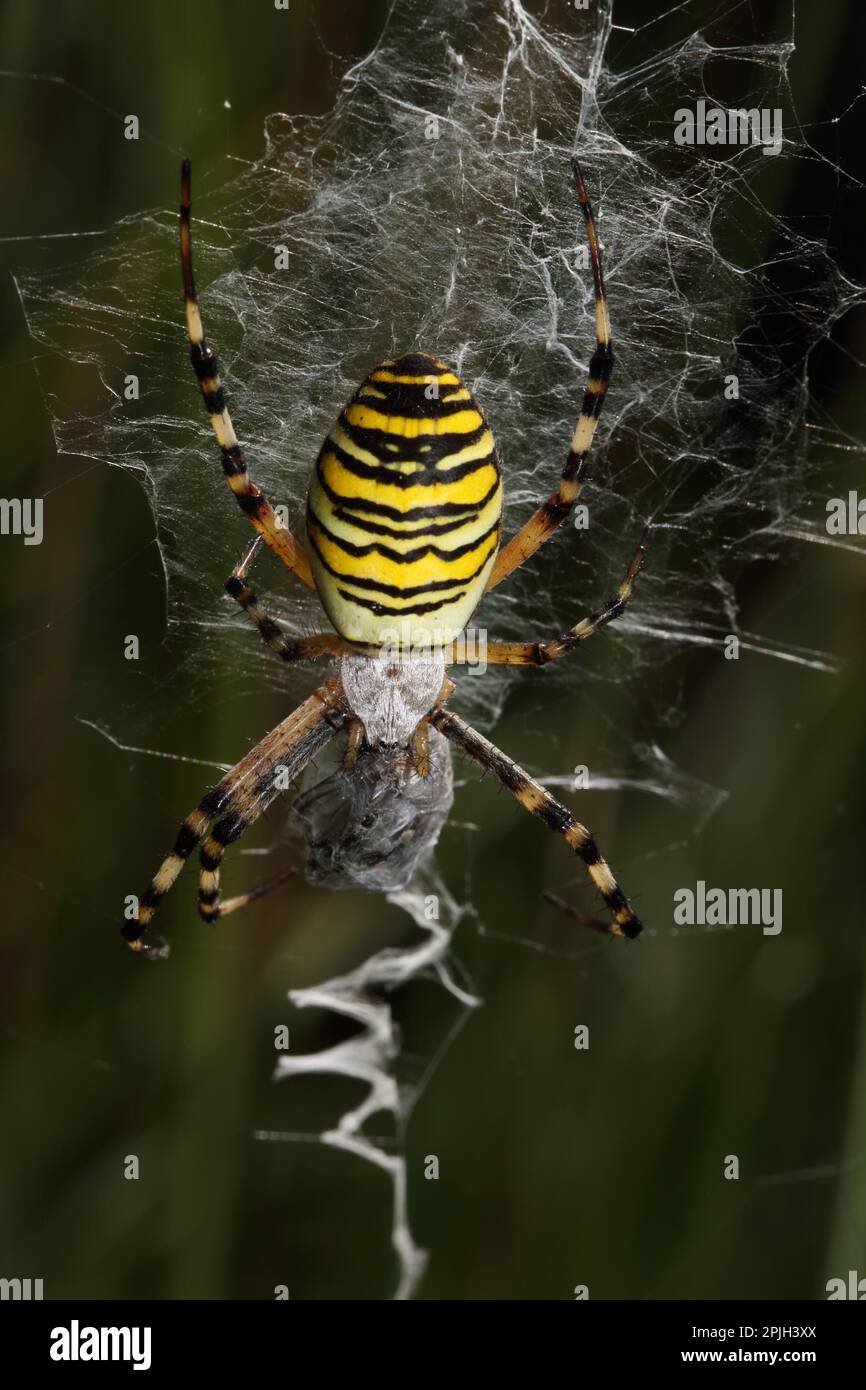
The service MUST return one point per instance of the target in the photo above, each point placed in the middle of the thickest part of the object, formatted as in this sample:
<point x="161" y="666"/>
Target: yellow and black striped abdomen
<point x="405" y="507"/>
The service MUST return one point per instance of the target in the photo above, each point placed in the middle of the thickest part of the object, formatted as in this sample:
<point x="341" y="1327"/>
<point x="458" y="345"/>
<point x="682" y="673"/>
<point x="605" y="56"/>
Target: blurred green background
<point x="557" y="1167"/>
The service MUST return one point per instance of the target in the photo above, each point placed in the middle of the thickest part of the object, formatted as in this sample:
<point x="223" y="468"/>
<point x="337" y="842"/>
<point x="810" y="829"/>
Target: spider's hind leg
<point x="211" y="905"/>
<point x="535" y="799"/>
<point x="575" y="913"/>
<point x="235" y="803"/>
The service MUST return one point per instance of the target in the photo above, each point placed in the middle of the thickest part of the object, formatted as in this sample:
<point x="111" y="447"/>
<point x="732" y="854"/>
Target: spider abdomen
<point x="405" y="507"/>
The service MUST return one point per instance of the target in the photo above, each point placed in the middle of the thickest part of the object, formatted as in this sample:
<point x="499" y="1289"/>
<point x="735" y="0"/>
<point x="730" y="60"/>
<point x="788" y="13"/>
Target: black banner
<point x="80" y="1339"/>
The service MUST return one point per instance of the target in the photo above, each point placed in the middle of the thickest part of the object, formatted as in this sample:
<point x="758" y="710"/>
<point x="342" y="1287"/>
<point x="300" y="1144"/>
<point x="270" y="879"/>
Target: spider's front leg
<point x="556" y="508"/>
<point x="287" y="648"/>
<point x="249" y="498"/>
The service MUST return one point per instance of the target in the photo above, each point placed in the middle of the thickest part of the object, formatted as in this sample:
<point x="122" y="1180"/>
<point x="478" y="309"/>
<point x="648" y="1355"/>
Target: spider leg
<point x="249" y="498"/>
<point x="354" y="743"/>
<point x="223" y="908"/>
<point x="575" y="914"/>
<point x="287" y="648"/>
<point x="553" y="512"/>
<point x="239" y="798"/>
<point x="540" y="653"/>
<point x="211" y="905"/>
<point x="420" y="749"/>
<point x="540" y="803"/>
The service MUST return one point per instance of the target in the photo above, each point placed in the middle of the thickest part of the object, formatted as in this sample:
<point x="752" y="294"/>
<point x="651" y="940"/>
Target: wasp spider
<point x="403" y="537"/>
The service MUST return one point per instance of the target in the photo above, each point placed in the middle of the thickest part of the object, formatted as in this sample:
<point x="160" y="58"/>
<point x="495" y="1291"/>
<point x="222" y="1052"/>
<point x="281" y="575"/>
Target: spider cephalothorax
<point x="403" y="527"/>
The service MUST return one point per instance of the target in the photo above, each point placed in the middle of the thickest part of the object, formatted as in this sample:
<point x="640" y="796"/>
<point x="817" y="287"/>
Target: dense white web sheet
<point x="470" y="245"/>
<point x="433" y="208"/>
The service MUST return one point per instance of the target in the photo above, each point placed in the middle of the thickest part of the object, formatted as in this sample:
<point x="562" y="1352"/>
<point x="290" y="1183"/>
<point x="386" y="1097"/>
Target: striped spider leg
<point x="235" y="803"/>
<point x="287" y="648"/>
<point x="551" y="514"/>
<point x="250" y="499"/>
<point x="537" y="530"/>
<point x="300" y="649"/>
<point x="535" y="799"/>
<point x="518" y="782"/>
<point x="540" y="653"/>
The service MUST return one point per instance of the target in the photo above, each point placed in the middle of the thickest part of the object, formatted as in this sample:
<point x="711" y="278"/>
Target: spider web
<point x="433" y="208"/>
